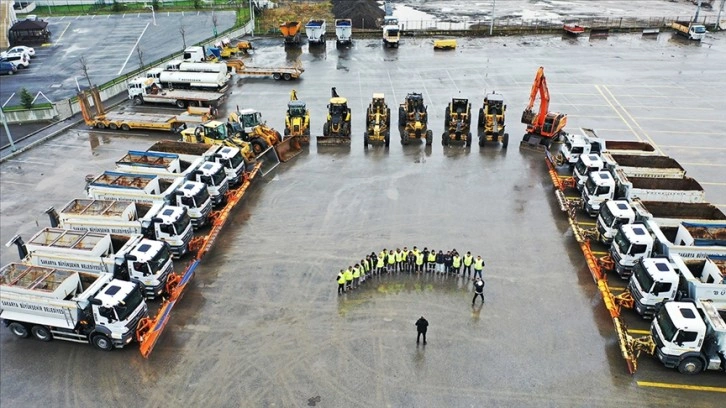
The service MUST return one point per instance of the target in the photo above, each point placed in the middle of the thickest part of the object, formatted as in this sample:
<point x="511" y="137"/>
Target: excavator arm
<point x="539" y="87"/>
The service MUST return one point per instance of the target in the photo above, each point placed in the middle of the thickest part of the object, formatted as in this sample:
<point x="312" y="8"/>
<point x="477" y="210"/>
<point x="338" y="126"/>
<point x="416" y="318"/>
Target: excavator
<point x="247" y="124"/>
<point x="378" y="122"/>
<point x="297" y="120"/>
<point x="336" y="129"/>
<point x="543" y="127"/>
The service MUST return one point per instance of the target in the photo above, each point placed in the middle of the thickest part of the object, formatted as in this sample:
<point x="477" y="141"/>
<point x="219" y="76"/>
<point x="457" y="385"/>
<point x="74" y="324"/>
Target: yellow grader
<point x="378" y="122"/>
<point x="491" y="120"/>
<point x="413" y="120"/>
<point x="457" y="123"/>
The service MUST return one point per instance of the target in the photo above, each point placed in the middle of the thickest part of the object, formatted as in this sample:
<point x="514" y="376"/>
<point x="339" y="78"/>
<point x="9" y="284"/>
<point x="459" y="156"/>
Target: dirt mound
<point x="364" y="13"/>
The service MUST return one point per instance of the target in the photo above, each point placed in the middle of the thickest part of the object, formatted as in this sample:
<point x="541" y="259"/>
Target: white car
<point x="19" y="49"/>
<point x="19" y="60"/>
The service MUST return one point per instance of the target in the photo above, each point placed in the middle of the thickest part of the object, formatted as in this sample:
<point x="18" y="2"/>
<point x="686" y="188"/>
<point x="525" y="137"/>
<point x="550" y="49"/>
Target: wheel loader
<point x="378" y="122"/>
<point x="297" y="120"/>
<point x="336" y="129"/>
<point x="248" y="125"/>
<point x="457" y="123"/>
<point x="413" y="120"/>
<point x="490" y="124"/>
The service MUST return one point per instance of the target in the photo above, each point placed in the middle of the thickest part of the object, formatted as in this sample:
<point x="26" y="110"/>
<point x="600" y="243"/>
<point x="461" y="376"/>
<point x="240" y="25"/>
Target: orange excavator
<point x="543" y="127"/>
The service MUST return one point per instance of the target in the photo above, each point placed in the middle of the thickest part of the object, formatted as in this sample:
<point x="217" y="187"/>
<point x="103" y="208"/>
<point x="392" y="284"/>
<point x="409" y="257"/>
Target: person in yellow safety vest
<point x="468" y="260"/>
<point x="391" y="261"/>
<point x="362" y="270"/>
<point x="380" y="264"/>
<point x="432" y="260"/>
<point x="478" y="266"/>
<point x="367" y="265"/>
<point x="341" y="282"/>
<point x="456" y="263"/>
<point x="399" y="259"/>
<point x="419" y="262"/>
<point x="404" y="259"/>
<point x="356" y="276"/>
<point x="348" y="278"/>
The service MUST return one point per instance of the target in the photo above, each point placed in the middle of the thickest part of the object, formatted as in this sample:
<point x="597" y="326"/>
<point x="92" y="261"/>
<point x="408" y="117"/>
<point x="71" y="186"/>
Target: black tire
<point x="276" y="76"/>
<point x="345" y="129"/>
<point x="10" y="72"/>
<point x="401" y="116"/>
<point x="447" y="119"/>
<point x="365" y="140"/>
<point x="125" y="127"/>
<point x="444" y="139"/>
<point x="101" y="342"/>
<point x="690" y="366"/>
<point x="482" y="140"/>
<point x="41" y="333"/>
<point x="404" y="138"/>
<point x="258" y="146"/>
<point x="388" y="117"/>
<point x="468" y="140"/>
<point x="100" y="125"/>
<point x="387" y="138"/>
<point x="112" y="126"/>
<point x="429" y="138"/>
<point x="505" y="141"/>
<point x="287" y="132"/>
<point x="181" y="104"/>
<point x="19" y="330"/>
<point x="480" y="120"/>
<point x="138" y="100"/>
<point x="326" y="129"/>
<point x="286" y="76"/>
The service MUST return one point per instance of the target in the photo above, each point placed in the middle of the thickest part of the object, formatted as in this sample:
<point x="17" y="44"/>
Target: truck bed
<point x="190" y="95"/>
<point x="173" y="146"/>
<point x="704" y="211"/>
<point x="627" y="145"/>
<point x="684" y="184"/>
<point x="654" y="162"/>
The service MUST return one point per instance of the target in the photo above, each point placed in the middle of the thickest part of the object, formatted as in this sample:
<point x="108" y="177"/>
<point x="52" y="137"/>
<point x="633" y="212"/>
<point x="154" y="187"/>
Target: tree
<point x="183" y="32"/>
<point x="84" y="67"/>
<point x="26" y="98"/>
<point x="140" y="54"/>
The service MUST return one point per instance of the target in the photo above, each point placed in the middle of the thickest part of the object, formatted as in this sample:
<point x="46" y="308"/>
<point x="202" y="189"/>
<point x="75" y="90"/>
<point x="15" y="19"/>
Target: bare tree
<point x="140" y="54"/>
<point x="183" y="32"/>
<point x="214" y="22"/>
<point x="84" y="66"/>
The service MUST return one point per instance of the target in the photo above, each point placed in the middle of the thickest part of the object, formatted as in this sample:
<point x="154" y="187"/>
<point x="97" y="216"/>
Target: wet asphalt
<point x="262" y="326"/>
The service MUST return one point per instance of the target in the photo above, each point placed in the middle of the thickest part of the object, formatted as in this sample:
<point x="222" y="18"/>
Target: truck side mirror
<point x="95" y="301"/>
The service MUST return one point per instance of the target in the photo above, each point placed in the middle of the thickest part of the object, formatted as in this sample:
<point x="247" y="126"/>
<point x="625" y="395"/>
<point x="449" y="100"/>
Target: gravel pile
<point x="364" y="13"/>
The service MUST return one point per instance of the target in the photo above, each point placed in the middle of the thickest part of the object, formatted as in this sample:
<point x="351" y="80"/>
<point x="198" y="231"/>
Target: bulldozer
<point x="457" y="123"/>
<point x="297" y="120"/>
<point x="378" y="122"/>
<point x="413" y="120"/>
<point x="543" y="126"/>
<point x="491" y="120"/>
<point x="247" y="124"/>
<point x="336" y="129"/>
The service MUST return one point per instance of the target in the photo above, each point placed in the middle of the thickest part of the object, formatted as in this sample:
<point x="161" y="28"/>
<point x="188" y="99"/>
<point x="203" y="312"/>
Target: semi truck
<point x="112" y="185"/>
<point x="145" y="90"/>
<point x="688" y="29"/>
<point x="171" y="166"/>
<point x="156" y="221"/>
<point x="590" y="143"/>
<point x="691" y="336"/>
<point x="633" y="242"/>
<point x="126" y="257"/>
<point x="277" y="73"/>
<point x="229" y="157"/>
<point x="315" y="31"/>
<point x="656" y="281"/>
<point x="189" y="80"/>
<point x="53" y="303"/>
<point x="616" y="185"/>
<point x="615" y="213"/>
<point x="391" y="32"/>
<point x="343" y="32"/>
<point x="631" y="166"/>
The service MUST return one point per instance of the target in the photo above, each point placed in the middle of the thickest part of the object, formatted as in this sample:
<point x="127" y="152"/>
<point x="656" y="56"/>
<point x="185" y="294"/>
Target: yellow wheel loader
<point x="247" y="124"/>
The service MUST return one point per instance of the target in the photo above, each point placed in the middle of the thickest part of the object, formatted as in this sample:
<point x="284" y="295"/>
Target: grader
<point x="491" y="120"/>
<point x="413" y="120"/>
<point x="457" y="123"/>
<point x="378" y="122"/>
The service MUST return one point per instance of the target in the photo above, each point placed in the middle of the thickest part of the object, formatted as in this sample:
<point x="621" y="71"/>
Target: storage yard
<point x="260" y="324"/>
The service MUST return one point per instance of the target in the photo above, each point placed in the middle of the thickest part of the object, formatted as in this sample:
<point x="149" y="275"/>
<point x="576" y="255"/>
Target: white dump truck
<point x="189" y="80"/>
<point x="146" y="90"/>
<point x="691" y="336"/>
<point x="615" y="213"/>
<point x="127" y="257"/>
<point x="589" y="143"/>
<point x="633" y="242"/>
<point x="391" y="32"/>
<point x="53" y="303"/>
<point x="690" y="30"/>
<point x="156" y="221"/>
<point x="171" y="166"/>
<point x="315" y="31"/>
<point x="228" y="156"/>
<point x="193" y="196"/>
<point x="630" y="165"/>
<point x="344" y="31"/>
<point x="656" y="280"/>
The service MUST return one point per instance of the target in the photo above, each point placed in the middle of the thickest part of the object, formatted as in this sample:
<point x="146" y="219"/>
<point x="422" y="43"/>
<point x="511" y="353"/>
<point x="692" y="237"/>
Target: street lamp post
<point x="252" y="18"/>
<point x="153" y="15"/>
<point x="491" y="22"/>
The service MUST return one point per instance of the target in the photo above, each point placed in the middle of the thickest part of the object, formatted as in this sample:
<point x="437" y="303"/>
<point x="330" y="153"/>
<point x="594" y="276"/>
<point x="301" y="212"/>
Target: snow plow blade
<point x="333" y="140"/>
<point x="289" y="148"/>
<point x="269" y="160"/>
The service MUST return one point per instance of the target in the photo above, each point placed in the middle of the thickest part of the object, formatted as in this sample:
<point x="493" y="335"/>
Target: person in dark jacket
<point x="478" y="290"/>
<point x="425" y="253"/>
<point x="440" y="262"/>
<point x="422" y="326"/>
<point x="447" y="262"/>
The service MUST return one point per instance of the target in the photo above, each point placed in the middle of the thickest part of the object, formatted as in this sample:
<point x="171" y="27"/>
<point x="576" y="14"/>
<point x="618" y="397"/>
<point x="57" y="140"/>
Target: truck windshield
<point x="666" y="325"/>
<point x="160" y="259"/>
<point x="621" y="242"/>
<point x="201" y="197"/>
<point x="129" y="304"/>
<point x="643" y="277"/>
<point x="235" y="160"/>
<point x="590" y="186"/>
<point x="607" y="216"/>
<point x="581" y="167"/>
<point x="182" y="223"/>
<point x="699" y="29"/>
<point x="218" y="177"/>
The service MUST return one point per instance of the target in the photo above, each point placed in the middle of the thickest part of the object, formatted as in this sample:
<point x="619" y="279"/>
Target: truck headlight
<point x="117" y="336"/>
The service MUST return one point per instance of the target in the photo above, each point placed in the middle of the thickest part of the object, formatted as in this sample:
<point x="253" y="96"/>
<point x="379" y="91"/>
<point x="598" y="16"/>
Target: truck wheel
<point x="480" y="121"/>
<point x="100" y="125"/>
<point x="505" y="141"/>
<point x="112" y="126"/>
<point x="429" y="137"/>
<point x="101" y="342"/>
<point x="125" y="127"/>
<point x="276" y="76"/>
<point x="138" y="100"/>
<point x="181" y="104"/>
<point x="286" y="76"/>
<point x="41" y="333"/>
<point x="19" y="330"/>
<point x="690" y="366"/>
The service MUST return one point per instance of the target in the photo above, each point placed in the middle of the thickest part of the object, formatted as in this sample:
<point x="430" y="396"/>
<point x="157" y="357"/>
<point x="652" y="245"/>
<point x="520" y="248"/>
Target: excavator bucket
<point x="289" y="148"/>
<point x="269" y="160"/>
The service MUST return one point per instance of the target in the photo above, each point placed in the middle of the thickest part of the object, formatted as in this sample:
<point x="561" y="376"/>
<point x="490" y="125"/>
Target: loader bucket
<point x="288" y="148"/>
<point x="269" y="160"/>
<point x="333" y="140"/>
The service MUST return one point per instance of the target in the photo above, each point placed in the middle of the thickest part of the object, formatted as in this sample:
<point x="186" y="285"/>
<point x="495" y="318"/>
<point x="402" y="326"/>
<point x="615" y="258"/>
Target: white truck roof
<point x="685" y="316"/>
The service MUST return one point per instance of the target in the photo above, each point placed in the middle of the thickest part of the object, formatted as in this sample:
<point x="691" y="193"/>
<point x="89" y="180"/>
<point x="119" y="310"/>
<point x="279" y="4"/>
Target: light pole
<point x="491" y="23"/>
<point x="718" y="18"/>
<point x="153" y="15"/>
<point x="252" y="18"/>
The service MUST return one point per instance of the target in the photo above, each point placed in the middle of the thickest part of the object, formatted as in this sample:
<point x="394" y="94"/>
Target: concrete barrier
<point x="31" y="115"/>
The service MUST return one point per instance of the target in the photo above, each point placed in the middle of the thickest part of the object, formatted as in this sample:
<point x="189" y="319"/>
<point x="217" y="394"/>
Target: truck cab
<point x="391" y="32"/>
<point x="586" y="164"/>
<point x="576" y="145"/>
<point x="613" y="214"/>
<point x="631" y="243"/>
<point x="653" y="282"/>
<point x="599" y="187"/>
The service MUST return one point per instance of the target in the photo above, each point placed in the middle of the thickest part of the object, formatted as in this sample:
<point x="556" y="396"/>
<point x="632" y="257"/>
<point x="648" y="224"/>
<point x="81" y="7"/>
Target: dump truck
<point x="633" y="242"/>
<point x="343" y="32"/>
<point x="54" y="303"/>
<point x="291" y="32"/>
<point x="145" y="90"/>
<point x="457" y="123"/>
<point x="147" y="188"/>
<point x="413" y="120"/>
<point x="336" y="129"/>
<point x="391" y="32"/>
<point x="297" y="120"/>
<point x="277" y="73"/>
<point x="656" y="280"/>
<point x="216" y="81"/>
<point x="315" y="31"/>
<point x="689" y="29"/>
<point x="126" y="257"/>
<point x="378" y="122"/>
<point x="615" y="213"/>
<point x="490" y="124"/>
<point x="228" y="156"/>
<point x="171" y="166"/>
<point x="616" y="185"/>
<point x="590" y="143"/>
<point x="631" y="166"/>
<point x="155" y="221"/>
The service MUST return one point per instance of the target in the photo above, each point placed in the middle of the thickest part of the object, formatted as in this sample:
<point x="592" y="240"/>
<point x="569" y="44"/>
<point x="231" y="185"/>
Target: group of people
<point x="411" y="261"/>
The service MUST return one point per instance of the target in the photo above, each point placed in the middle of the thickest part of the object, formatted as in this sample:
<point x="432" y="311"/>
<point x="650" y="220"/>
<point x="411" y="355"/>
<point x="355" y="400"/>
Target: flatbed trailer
<point x="277" y="73"/>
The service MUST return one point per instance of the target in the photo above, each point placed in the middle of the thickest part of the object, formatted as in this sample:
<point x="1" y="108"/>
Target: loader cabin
<point x="296" y="108"/>
<point x="338" y="106"/>
<point x="495" y="102"/>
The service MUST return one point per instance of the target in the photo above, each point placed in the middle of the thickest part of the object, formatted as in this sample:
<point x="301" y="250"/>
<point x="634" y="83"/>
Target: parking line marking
<point x="704" y="164"/>
<point x="452" y="80"/>
<point x="682" y="119"/>
<point x="40" y="163"/>
<point x="712" y="183"/>
<point x="632" y="119"/>
<point x="132" y="50"/>
<point x="360" y="90"/>
<point x="12" y="182"/>
<point x="391" y="82"/>
<point x="681" y="386"/>
<point x="64" y="31"/>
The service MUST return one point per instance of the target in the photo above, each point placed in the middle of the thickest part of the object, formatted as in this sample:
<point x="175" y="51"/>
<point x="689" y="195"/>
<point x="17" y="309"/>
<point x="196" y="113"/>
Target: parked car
<point x="19" y="60"/>
<point x="19" y="49"/>
<point x="7" y="68"/>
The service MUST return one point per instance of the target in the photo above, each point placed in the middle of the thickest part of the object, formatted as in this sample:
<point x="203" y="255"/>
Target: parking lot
<point x="57" y="72"/>
<point x="262" y="324"/>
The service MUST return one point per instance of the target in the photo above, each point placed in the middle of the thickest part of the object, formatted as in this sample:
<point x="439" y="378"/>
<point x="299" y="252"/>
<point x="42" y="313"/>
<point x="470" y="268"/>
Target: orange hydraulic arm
<point x="539" y="86"/>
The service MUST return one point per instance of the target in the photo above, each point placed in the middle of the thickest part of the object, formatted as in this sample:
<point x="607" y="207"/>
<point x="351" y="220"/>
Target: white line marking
<point x="390" y="81"/>
<point x="132" y="50"/>
<point x="64" y="31"/>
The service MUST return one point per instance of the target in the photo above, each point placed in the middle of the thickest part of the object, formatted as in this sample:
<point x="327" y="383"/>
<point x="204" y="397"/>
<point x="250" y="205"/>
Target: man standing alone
<point x="478" y="290"/>
<point x="421" y="326"/>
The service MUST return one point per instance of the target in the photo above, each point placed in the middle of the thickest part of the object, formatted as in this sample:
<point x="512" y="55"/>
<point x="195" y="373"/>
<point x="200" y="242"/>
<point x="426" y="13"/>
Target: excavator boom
<point x="543" y="126"/>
